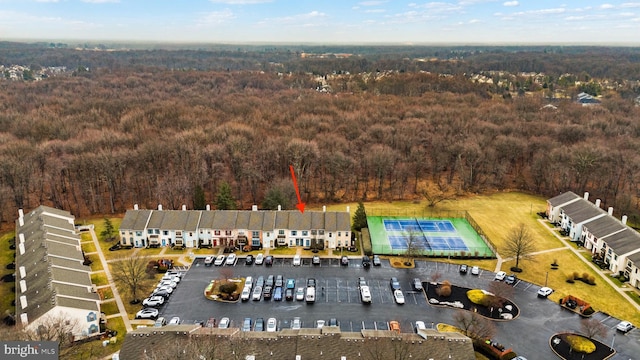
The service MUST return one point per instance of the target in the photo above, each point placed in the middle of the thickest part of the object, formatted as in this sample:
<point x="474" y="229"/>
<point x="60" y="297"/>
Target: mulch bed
<point x="459" y="294"/>
<point x="563" y="350"/>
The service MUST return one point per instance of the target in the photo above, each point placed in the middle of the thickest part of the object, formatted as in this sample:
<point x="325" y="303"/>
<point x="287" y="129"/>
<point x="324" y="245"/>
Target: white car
<point x="398" y="296"/>
<point x="420" y="326"/>
<point x="296" y="324"/>
<point x="246" y="293"/>
<point x="231" y="259"/>
<point x="224" y="323"/>
<point x="320" y="324"/>
<point x="147" y="313"/>
<point x="296" y="260"/>
<point x="170" y="283"/>
<point x="167" y="289"/>
<point x="248" y="281"/>
<point x="257" y="293"/>
<point x="475" y="270"/>
<point x="174" y="321"/>
<point x="544" y="292"/>
<point x="153" y="301"/>
<point x="259" y="259"/>
<point x="300" y="294"/>
<point x="272" y="325"/>
<point x="500" y="275"/>
<point x="219" y="260"/>
<point x="208" y="260"/>
<point x="624" y="326"/>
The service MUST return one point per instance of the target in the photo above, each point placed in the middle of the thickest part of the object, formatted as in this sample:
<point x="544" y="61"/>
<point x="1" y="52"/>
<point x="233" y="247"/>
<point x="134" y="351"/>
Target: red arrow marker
<point x="300" y="204"/>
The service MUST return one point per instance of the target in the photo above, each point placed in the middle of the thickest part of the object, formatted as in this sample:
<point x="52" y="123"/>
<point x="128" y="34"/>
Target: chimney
<point x="135" y="206"/>
<point x="184" y="207"/>
<point x="324" y="208"/>
<point x="160" y="207"/>
<point x="20" y="213"/>
<point x="279" y="207"/>
<point x="624" y="220"/>
<point x="586" y="195"/>
<point x="254" y="207"/>
<point x="208" y="207"/>
<point x="21" y="237"/>
<point x="597" y="203"/>
<point x="348" y="209"/>
<point x="610" y="211"/>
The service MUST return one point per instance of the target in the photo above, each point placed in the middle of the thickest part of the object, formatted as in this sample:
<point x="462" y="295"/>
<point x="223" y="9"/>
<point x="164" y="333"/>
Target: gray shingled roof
<point x="135" y="220"/>
<point x="174" y="219"/>
<point x="317" y="220"/>
<point x="256" y="220"/>
<point x="623" y="242"/>
<point x="64" y="251"/>
<point x="57" y="236"/>
<point x="269" y="221"/>
<point x="635" y="258"/>
<point x="604" y="226"/>
<point x="69" y="264"/>
<point x="77" y="303"/>
<point x="282" y="220"/>
<point x="225" y="220"/>
<point x="70" y="276"/>
<point x="242" y="219"/>
<point x="206" y="220"/>
<point x="75" y="291"/>
<point x="298" y="221"/>
<point x="193" y="219"/>
<point x="155" y="220"/>
<point x="343" y="221"/>
<point x="582" y="210"/>
<point x="563" y="198"/>
<point x="166" y="343"/>
<point x="56" y="222"/>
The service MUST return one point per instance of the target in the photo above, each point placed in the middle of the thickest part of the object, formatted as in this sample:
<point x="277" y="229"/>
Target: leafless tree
<point x="131" y="273"/>
<point x="592" y="327"/>
<point x="413" y="237"/>
<point x="519" y="244"/>
<point x="58" y="327"/>
<point x="473" y="325"/>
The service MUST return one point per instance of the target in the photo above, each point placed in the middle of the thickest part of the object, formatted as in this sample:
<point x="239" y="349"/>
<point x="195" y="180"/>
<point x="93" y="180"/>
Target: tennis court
<point x="430" y="237"/>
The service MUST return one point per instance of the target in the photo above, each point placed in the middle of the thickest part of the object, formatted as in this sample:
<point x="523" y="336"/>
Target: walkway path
<point x="121" y="309"/>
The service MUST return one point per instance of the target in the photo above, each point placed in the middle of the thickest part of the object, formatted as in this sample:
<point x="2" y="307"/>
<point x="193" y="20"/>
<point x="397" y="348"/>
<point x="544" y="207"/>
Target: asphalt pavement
<point x="338" y="297"/>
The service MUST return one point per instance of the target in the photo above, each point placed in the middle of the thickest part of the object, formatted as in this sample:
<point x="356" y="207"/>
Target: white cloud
<point x="371" y="3"/>
<point x="606" y="6"/>
<point x="240" y="2"/>
<point x="374" y="11"/>
<point x="474" y="21"/>
<point x="216" y="17"/>
<point x="630" y="5"/>
<point x="510" y="3"/>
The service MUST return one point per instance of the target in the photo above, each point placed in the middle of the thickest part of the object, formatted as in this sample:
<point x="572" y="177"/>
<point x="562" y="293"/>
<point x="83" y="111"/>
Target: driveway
<point x="528" y="335"/>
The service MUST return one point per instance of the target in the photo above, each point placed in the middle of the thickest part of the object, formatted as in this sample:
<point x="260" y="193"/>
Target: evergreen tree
<point x="359" y="218"/>
<point x="199" y="201"/>
<point x="224" y="199"/>
<point x="109" y="232"/>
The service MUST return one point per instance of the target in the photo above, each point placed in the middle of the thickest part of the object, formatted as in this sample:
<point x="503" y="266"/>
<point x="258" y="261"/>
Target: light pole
<point x="613" y="340"/>
<point x="546" y="279"/>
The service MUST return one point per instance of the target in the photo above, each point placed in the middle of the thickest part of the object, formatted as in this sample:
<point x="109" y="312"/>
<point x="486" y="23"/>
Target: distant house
<point x="230" y="228"/>
<point x="587" y="100"/>
<point x="52" y="284"/>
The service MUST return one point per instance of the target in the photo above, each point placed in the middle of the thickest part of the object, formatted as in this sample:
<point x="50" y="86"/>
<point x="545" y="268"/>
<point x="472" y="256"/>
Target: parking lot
<point x="338" y="297"/>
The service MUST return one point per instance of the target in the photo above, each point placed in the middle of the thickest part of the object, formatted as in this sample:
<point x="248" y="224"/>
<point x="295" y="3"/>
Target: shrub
<point x="570" y="278"/>
<point x="585" y="276"/>
<point x="580" y="344"/>
<point x="479" y="297"/>
<point x="588" y="311"/>
<point x="228" y="288"/>
<point x="592" y="280"/>
<point x="444" y="291"/>
<point x="446" y="283"/>
<point x="576" y="276"/>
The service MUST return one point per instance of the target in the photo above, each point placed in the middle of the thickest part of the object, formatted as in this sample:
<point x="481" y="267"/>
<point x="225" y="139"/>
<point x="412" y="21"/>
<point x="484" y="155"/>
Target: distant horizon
<point x="330" y="22"/>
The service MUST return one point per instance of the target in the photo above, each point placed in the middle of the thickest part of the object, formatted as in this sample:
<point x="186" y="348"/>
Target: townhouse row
<point x="254" y="228"/>
<point x="598" y="231"/>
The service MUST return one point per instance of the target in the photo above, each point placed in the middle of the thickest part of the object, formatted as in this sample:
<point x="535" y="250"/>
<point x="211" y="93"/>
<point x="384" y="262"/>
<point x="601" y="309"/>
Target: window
<point x="280" y="232"/>
<point x="138" y="233"/>
<point x="320" y="232"/>
<point x="216" y="232"/>
<point x="255" y="242"/>
<point x="165" y="232"/>
<point x="339" y="233"/>
<point x="190" y="233"/>
<point x="330" y="234"/>
<point x="313" y="232"/>
<point x="255" y="234"/>
<point x="91" y="317"/>
<point x="307" y="243"/>
<point x="294" y="233"/>
<point x="346" y="233"/>
<point x="150" y="231"/>
<point x="305" y="233"/>
<point x="290" y="242"/>
<point x="158" y="231"/>
<point x="227" y="232"/>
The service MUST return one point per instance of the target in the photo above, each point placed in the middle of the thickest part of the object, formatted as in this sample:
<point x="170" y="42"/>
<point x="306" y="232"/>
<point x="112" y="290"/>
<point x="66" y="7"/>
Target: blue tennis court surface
<point x="423" y="234"/>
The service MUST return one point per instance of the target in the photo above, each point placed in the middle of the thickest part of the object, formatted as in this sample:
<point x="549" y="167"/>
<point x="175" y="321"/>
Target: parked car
<point x="417" y="284"/>
<point x="366" y="261"/>
<point x="272" y="325"/>
<point x="279" y="280"/>
<point x="420" y="326"/>
<point x="500" y="275"/>
<point x="160" y="322"/>
<point x="320" y="324"/>
<point x="115" y="247"/>
<point x="163" y="293"/>
<point x="288" y="294"/>
<point x="270" y="280"/>
<point x="224" y="323"/>
<point x="315" y="260"/>
<point x="344" y="260"/>
<point x="300" y="294"/>
<point x="259" y="326"/>
<point x="311" y="282"/>
<point x="268" y="261"/>
<point x="297" y="260"/>
<point x="147" y="313"/>
<point x="266" y="292"/>
<point x="395" y="284"/>
<point x="248" y="260"/>
<point x="624" y="326"/>
<point x="544" y="292"/>
<point x="398" y="297"/>
<point x="291" y="283"/>
<point x="259" y="259"/>
<point x="219" y="260"/>
<point x="260" y="281"/>
<point x="277" y="293"/>
<point x="511" y="279"/>
<point x="153" y="301"/>
<point x="475" y="270"/>
<point x="246" y="293"/>
<point x="165" y="288"/>
<point x="394" y="326"/>
<point x="333" y="322"/>
<point x="170" y="283"/>
<point x="257" y="293"/>
<point x="211" y="323"/>
<point x="376" y="260"/>
<point x="174" y="321"/>
<point x="208" y="261"/>
<point x="246" y="324"/>
<point x="296" y="324"/>
<point x="231" y="259"/>
<point x="463" y="269"/>
<point x="365" y="294"/>
<point x="362" y="282"/>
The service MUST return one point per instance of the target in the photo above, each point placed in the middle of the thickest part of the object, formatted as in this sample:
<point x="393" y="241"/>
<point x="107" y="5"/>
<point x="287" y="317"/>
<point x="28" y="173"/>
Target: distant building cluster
<point x="24" y="73"/>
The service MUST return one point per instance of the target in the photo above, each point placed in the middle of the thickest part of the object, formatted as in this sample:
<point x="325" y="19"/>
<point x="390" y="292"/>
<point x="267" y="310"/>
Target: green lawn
<point x="109" y="308"/>
<point x="99" y="278"/>
<point x="284" y="250"/>
<point x="88" y="247"/>
<point x="6" y="257"/>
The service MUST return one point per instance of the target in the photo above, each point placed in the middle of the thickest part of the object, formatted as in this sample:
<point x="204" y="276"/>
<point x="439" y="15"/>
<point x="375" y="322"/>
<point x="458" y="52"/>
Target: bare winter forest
<point x="169" y="127"/>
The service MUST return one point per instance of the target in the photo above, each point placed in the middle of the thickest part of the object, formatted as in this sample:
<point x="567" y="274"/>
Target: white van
<point x="311" y="295"/>
<point x="365" y="294"/>
<point x="208" y="260"/>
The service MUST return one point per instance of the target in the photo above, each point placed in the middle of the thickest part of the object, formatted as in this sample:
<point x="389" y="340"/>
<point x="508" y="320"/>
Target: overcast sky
<point x="324" y="21"/>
